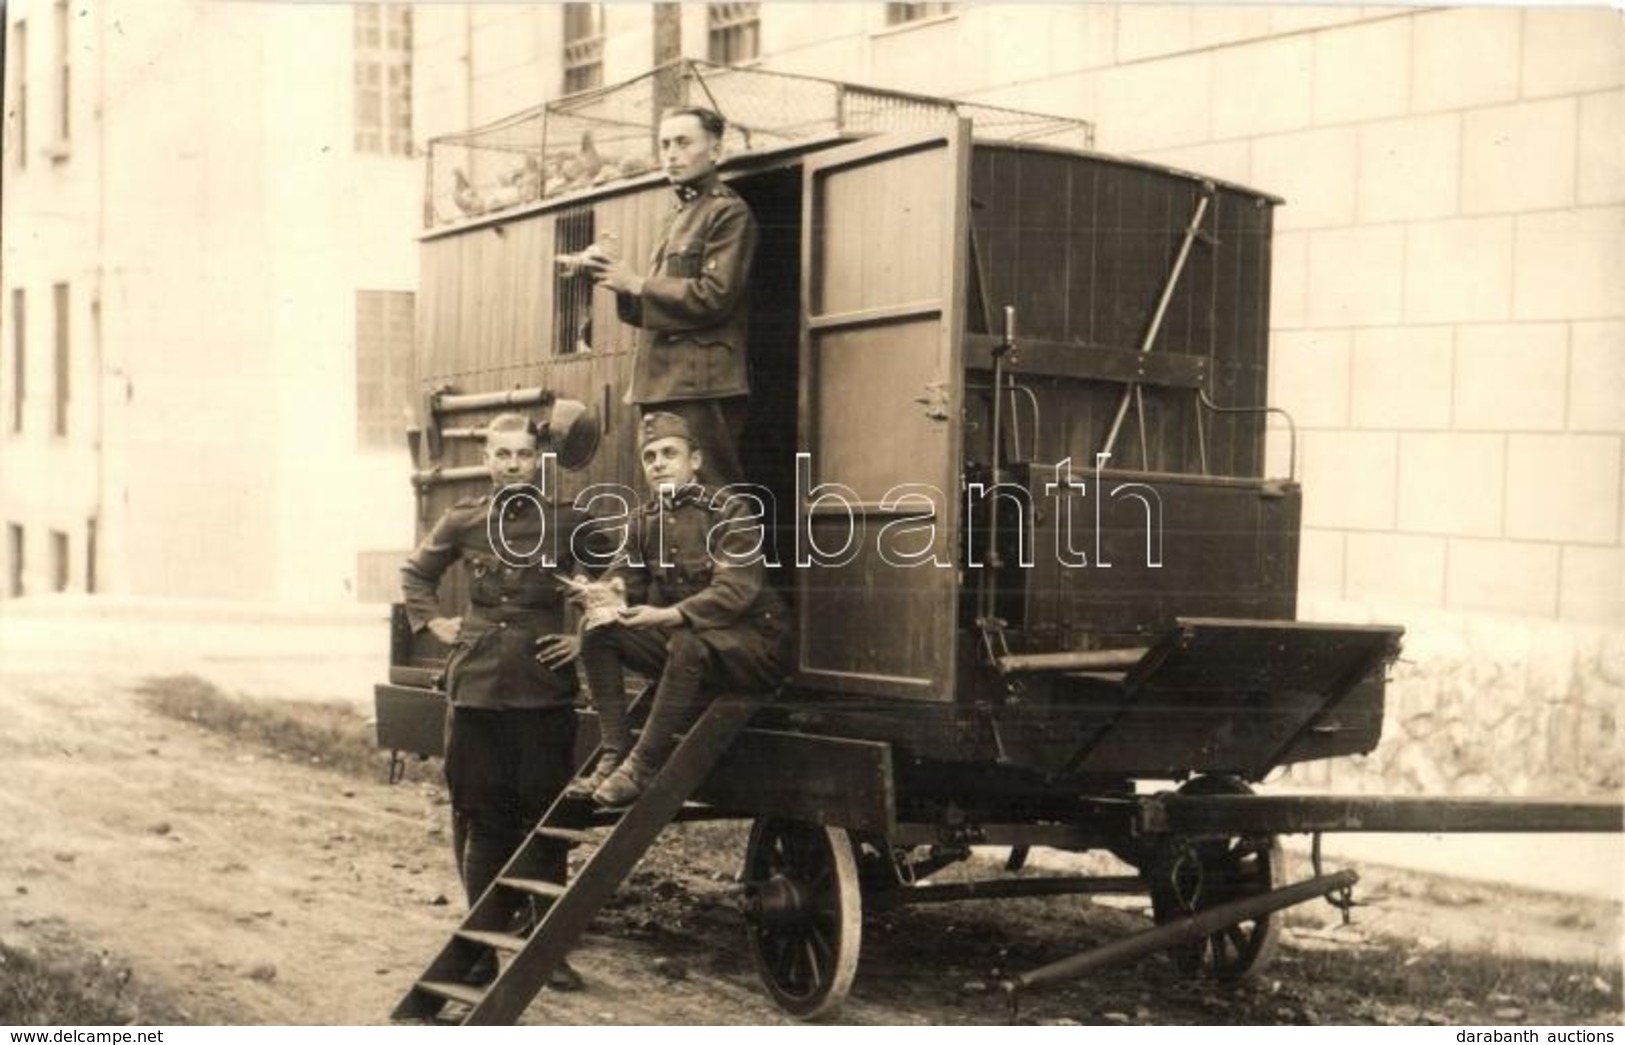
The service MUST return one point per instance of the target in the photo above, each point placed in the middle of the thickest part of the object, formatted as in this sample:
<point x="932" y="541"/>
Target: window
<point x="384" y="326"/>
<point x="59" y="561"/>
<point x="19" y="357"/>
<point x="735" y="32"/>
<point x="572" y="295"/>
<point x="14" y="559"/>
<point x="63" y="78"/>
<point x="383" y="79"/>
<point x="898" y="14"/>
<point x="60" y="361"/>
<point x="583" y="47"/>
<point x="19" y="55"/>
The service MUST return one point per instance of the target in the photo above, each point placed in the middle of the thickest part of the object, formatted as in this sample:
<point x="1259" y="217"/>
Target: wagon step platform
<point x="1226" y="695"/>
<point x="518" y="961"/>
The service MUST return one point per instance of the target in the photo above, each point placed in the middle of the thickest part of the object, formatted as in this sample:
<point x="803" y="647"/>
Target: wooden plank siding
<point x="1082" y="246"/>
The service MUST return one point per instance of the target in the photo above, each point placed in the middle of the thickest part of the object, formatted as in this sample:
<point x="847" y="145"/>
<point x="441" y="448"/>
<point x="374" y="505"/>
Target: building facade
<point x="208" y="277"/>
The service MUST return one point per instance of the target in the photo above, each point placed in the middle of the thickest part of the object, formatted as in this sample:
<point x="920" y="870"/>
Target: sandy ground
<point x="252" y="890"/>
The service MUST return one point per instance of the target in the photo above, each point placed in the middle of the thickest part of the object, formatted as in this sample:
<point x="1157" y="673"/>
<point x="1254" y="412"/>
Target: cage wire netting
<point x="608" y="134"/>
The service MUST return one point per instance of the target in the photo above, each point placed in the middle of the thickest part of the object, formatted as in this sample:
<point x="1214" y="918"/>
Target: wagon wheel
<point x="1192" y="875"/>
<point x="802" y="902"/>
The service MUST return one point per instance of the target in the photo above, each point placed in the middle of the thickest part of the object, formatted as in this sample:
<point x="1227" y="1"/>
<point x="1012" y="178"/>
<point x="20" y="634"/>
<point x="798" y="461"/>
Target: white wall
<point x="214" y="196"/>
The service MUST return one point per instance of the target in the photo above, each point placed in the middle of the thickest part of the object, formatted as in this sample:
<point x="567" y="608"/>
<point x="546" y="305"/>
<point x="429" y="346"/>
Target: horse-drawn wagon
<point x="1008" y="428"/>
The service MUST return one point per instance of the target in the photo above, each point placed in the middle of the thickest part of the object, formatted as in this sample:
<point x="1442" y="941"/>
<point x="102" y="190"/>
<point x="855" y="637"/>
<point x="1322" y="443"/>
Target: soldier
<point x="691" y="358"/>
<point x="701" y="613"/>
<point x="510" y="726"/>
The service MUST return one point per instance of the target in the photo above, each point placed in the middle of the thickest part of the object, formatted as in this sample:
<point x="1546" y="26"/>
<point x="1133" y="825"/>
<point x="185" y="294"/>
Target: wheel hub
<point x="777" y="903"/>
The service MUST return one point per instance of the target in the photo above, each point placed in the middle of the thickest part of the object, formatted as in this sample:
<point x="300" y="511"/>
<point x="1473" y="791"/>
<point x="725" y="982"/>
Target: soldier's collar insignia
<point x="688" y="493"/>
<point x="513" y="500"/>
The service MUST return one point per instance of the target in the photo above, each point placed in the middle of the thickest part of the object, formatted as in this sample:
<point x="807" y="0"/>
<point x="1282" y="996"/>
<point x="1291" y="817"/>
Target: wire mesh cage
<point x="607" y="134"/>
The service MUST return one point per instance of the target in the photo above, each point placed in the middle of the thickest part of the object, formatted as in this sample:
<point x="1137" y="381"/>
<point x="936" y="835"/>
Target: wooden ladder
<point x="565" y="910"/>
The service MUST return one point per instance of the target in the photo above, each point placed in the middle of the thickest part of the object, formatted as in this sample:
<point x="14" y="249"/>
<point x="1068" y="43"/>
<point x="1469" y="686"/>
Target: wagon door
<point x="883" y="290"/>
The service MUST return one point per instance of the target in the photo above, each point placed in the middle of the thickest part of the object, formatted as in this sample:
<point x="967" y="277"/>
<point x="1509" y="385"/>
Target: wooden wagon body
<point x="876" y="311"/>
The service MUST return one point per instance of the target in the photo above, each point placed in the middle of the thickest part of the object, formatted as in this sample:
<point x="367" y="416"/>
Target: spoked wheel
<point x="1192" y="875"/>
<point x="802" y="902"/>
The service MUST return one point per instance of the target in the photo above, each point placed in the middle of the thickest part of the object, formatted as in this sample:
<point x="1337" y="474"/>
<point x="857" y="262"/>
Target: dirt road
<point x="251" y="890"/>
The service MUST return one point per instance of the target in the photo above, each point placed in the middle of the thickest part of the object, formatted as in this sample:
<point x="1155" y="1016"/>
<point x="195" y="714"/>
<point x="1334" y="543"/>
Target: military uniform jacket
<point x="511" y="604"/>
<point x="666" y="562"/>
<point x="693" y="310"/>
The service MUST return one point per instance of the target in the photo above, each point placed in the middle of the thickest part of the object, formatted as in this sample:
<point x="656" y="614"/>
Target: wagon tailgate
<point x="1244" y="696"/>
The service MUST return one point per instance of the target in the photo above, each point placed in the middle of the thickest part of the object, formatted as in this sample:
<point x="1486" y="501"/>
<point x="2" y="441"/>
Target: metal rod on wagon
<point x="990" y="564"/>
<point x="1194" y="927"/>
<point x="437" y="476"/>
<point x="1386" y="814"/>
<point x="1150" y="338"/>
<point x="447" y="404"/>
<point x="1004" y="888"/>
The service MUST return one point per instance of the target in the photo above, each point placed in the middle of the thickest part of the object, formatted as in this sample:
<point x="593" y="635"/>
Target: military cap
<point x="572" y="432"/>
<point x="661" y="425"/>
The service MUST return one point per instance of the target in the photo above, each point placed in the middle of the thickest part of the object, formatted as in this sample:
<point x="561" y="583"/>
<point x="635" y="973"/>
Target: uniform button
<point x="504" y="624"/>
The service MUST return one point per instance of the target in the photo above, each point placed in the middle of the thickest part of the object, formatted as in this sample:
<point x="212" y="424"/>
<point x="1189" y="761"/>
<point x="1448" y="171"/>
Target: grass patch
<point x="89" y="990"/>
<point x="1467" y="984"/>
<point x="328" y="734"/>
<point x="1575" y="920"/>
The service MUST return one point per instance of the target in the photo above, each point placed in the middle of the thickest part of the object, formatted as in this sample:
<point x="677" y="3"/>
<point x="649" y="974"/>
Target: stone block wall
<point x="1491" y="708"/>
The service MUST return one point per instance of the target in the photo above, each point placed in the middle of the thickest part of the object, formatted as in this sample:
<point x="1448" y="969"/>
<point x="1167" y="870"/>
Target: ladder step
<point x="534" y="886"/>
<point x="570" y="909"/>
<point x="565" y="834"/>
<point x="496" y="941"/>
<point x="458" y="992"/>
<point x="689" y="811"/>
